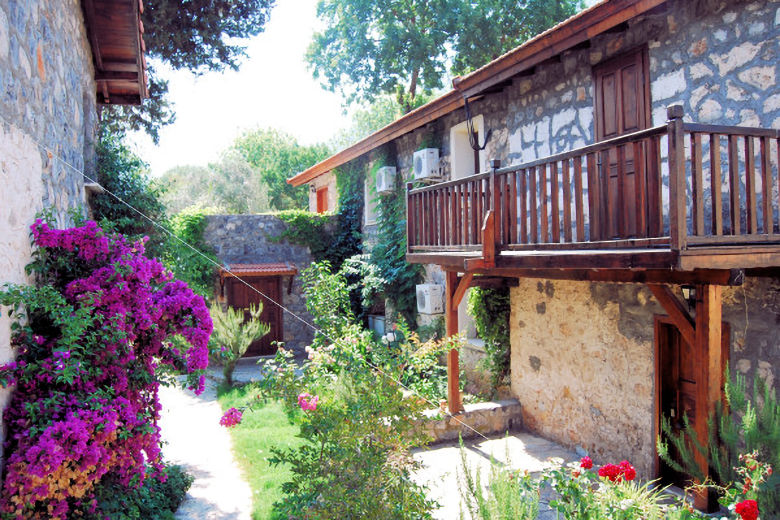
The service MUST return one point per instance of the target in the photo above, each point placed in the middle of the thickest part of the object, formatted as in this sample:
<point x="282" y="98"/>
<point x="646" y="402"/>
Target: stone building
<point x="250" y="246"/>
<point x="59" y="61"/>
<point x="605" y="204"/>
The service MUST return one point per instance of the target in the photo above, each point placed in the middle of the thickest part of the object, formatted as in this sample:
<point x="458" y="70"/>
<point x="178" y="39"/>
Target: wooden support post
<point x="453" y="289"/>
<point x="708" y="352"/>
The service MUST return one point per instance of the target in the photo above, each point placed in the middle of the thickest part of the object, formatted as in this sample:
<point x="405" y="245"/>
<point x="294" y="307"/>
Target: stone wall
<point x="47" y="119"/>
<point x="583" y="359"/>
<point x="248" y="239"/>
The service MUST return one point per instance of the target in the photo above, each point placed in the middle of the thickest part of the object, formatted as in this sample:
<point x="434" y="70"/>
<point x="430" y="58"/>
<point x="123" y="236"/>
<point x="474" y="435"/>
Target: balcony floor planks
<point x="721" y="257"/>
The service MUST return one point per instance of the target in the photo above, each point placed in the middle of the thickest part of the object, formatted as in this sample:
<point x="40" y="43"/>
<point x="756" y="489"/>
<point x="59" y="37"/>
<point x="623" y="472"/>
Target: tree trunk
<point x="409" y="101"/>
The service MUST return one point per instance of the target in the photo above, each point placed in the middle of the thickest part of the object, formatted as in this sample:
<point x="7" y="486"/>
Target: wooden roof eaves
<point x="105" y="71"/>
<point x="439" y="107"/>
<point x="578" y="29"/>
<point x="575" y="30"/>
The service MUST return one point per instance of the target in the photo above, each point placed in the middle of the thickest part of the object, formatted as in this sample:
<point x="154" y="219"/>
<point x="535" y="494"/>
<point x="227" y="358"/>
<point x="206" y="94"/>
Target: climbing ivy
<point x="327" y="240"/>
<point x="490" y="308"/>
<point x="194" y="265"/>
<point x="312" y="230"/>
<point x="389" y="254"/>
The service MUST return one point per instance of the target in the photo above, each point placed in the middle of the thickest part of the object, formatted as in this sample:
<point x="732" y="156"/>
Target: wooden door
<point x="322" y="200"/>
<point x="679" y="372"/>
<point x="241" y="297"/>
<point x="622" y="106"/>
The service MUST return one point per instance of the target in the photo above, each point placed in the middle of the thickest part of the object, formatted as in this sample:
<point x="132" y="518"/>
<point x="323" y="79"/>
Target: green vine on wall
<point x="390" y="250"/>
<point x="490" y="309"/>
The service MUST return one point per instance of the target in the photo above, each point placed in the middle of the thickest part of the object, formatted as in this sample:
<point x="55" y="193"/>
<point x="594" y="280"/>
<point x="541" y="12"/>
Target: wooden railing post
<point x="495" y="202"/>
<point x="409" y="229"/>
<point x="678" y="225"/>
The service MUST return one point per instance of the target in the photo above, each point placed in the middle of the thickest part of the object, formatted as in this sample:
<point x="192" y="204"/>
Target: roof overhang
<point x="574" y="31"/>
<point x="253" y="270"/>
<point x="115" y="34"/>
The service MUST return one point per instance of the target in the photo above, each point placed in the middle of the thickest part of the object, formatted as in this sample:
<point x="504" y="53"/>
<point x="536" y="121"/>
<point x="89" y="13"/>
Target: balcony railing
<point x="674" y="186"/>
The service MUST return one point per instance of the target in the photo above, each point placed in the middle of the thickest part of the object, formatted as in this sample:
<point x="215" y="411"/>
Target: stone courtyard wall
<point x="583" y="359"/>
<point x="248" y="239"/>
<point x="47" y="106"/>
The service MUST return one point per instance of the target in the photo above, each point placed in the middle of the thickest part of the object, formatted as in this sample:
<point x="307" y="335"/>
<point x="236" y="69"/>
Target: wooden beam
<point x="674" y="308"/>
<point x="112" y="75"/>
<point x="728" y="277"/>
<point x="493" y="282"/>
<point x="581" y="259"/>
<point x="453" y="363"/>
<point x="708" y="351"/>
<point x="122" y="99"/>
<point x="463" y="284"/>
<point x="89" y="14"/>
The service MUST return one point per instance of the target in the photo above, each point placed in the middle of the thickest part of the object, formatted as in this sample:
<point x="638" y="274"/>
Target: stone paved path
<point x="442" y="465"/>
<point x="190" y="426"/>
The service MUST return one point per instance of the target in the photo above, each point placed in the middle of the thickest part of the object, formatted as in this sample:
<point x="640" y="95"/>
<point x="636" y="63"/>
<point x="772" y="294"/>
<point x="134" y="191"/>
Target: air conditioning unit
<point x="385" y="179"/>
<point x="426" y="164"/>
<point x="430" y="298"/>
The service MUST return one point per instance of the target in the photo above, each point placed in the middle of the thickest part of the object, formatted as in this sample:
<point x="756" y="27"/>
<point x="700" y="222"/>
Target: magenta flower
<point x="231" y="418"/>
<point x="308" y="402"/>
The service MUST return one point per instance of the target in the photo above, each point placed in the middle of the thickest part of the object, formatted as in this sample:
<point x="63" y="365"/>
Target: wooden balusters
<point x="766" y="186"/>
<point x="523" y="207"/>
<point x="750" y="186"/>
<point x="697" y="185"/>
<point x="578" y="199"/>
<point x="566" y="184"/>
<point x="532" y="195"/>
<point x="594" y="196"/>
<point x="555" y="210"/>
<point x="716" y="181"/>
<point x="734" y="185"/>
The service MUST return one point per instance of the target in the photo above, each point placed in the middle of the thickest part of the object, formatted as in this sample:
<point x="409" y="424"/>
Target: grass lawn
<point x="261" y="429"/>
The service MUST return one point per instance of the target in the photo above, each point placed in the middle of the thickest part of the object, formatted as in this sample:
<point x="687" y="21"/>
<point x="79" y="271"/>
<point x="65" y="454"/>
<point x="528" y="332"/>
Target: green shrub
<point x="508" y="495"/>
<point x="750" y="425"/>
<point x="490" y="308"/>
<point x="197" y="269"/>
<point x="233" y="335"/>
<point x="157" y="498"/>
<point x="354" y="460"/>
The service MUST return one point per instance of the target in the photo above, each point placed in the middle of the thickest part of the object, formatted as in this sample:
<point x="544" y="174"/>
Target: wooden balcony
<point x="673" y="198"/>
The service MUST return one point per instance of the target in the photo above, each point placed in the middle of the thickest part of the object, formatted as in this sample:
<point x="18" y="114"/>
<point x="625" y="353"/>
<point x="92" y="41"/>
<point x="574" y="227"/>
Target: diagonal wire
<point x="167" y="231"/>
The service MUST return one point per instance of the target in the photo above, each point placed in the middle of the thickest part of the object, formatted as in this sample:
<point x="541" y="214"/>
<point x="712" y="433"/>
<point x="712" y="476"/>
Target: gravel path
<point x="195" y="440"/>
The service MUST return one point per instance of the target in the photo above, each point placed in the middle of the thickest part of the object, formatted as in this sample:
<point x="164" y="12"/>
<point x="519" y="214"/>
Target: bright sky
<point x="273" y="88"/>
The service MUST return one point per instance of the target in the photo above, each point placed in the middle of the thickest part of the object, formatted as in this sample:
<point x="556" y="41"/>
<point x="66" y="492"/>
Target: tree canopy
<point x="198" y="35"/>
<point x="370" y="47"/>
<point x="277" y="156"/>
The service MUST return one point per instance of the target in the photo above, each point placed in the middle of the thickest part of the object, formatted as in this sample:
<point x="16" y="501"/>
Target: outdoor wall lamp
<point x="689" y="295"/>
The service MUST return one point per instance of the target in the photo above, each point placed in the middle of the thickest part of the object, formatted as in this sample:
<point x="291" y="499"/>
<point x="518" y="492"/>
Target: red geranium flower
<point x="627" y="470"/>
<point x="609" y="471"/>
<point x="747" y="510"/>
<point x="586" y="463"/>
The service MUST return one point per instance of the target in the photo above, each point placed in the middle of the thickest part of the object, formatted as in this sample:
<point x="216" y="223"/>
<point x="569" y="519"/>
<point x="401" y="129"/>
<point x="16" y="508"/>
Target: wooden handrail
<point x="731" y="130"/>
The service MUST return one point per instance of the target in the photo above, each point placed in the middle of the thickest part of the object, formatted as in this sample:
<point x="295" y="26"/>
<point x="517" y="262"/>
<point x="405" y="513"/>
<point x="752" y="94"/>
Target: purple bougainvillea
<point x="101" y="324"/>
